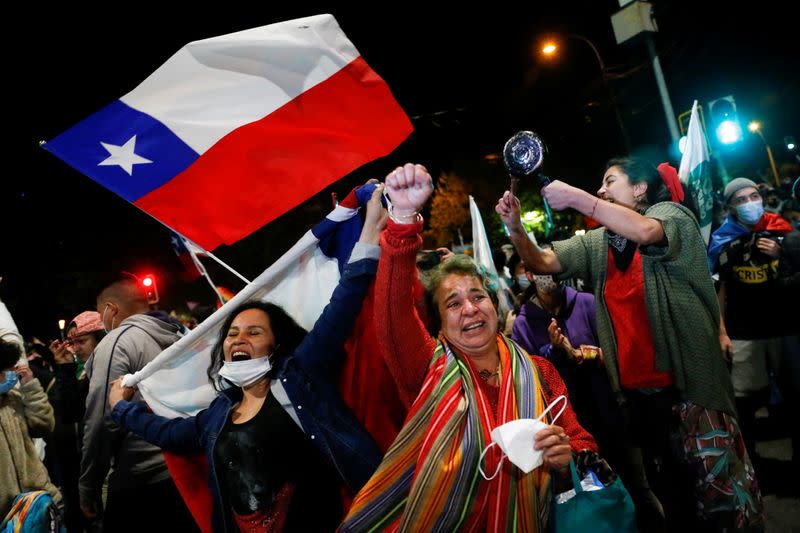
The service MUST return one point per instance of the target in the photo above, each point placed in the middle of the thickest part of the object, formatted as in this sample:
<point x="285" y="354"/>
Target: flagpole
<point x="223" y="264"/>
<point x="189" y="245"/>
<point x="201" y="268"/>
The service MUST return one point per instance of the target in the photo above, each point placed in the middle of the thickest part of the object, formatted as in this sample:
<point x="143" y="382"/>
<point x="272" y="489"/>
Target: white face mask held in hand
<point x="245" y="373"/>
<point x="516" y="439"/>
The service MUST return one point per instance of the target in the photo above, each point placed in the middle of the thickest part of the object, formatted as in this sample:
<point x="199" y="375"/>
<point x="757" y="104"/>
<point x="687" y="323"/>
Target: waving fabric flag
<point x="482" y="253"/>
<point x="175" y="384"/>
<point x="262" y="118"/>
<point x="695" y="173"/>
<point x="191" y="264"/>
<point x="301" y="281"/>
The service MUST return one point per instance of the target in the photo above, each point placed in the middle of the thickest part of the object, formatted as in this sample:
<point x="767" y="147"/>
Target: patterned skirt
<point x="726" y="489"/>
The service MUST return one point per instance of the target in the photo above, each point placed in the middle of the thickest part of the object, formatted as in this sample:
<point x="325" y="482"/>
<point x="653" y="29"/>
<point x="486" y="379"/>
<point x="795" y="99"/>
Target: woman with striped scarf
<point x="458" y="388"/>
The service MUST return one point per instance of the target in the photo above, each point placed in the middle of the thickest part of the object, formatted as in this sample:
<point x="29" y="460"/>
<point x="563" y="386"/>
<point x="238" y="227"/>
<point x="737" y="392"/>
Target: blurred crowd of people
<point x="664" y="347"/>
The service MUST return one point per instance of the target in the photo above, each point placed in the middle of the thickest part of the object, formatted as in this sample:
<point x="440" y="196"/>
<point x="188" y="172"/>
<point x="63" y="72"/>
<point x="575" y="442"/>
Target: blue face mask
<point x="750" y="213"/>
<point x="8" y="384"/>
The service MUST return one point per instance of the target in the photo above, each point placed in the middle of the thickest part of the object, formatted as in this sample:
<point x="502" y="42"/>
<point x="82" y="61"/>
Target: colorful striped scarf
<point x="429" y="479"/>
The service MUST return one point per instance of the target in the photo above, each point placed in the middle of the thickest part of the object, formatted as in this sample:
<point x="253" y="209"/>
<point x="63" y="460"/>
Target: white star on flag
<point x="124" y="156"/>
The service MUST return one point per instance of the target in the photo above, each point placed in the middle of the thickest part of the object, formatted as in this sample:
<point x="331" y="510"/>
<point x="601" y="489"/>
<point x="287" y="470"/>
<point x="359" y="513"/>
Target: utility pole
<point x="672" y="123"/>
<point x="634" y="18"/>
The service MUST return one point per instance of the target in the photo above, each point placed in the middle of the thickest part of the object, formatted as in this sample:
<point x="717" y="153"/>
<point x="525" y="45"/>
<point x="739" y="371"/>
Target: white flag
<point x="695" y="173"/>
<point x="482" y="252"/>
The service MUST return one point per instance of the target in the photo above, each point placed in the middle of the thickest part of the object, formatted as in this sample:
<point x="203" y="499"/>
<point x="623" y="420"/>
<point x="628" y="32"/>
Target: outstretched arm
<point x="179" y="435"/>
<point x="324" y="344"/>
<point x="535" y="258"/>
<point x="617" y="218"/>
<point x="406" y="345"/>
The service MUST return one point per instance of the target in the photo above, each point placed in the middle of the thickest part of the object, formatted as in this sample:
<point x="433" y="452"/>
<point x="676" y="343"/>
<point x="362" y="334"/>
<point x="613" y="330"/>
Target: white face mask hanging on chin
<point x="245" y="373"/>
<point x="516" y="439"/>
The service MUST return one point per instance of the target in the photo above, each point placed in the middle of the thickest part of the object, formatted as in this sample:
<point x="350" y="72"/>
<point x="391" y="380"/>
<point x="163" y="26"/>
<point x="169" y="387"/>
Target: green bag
<point x="609" y="509"/>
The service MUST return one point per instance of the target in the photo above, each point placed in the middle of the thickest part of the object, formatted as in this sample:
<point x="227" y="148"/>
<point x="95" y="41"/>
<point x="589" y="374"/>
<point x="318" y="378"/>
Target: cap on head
<point x="735" y="186"/>
<point x="87" y="322"/>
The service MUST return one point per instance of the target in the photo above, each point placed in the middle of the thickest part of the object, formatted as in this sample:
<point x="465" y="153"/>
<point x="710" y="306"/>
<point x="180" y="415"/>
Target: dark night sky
<point x="468" y="79"/>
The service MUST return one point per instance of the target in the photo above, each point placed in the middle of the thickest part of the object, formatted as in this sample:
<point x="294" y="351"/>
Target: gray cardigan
<point x="682" y="305"/>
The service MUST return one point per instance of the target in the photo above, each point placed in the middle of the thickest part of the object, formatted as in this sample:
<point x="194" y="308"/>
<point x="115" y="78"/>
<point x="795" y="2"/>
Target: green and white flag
<point x="482" y="253"/>
<point x="695" y="173"/>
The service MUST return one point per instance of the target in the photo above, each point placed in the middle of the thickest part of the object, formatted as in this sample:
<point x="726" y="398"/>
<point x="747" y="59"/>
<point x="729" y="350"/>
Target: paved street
<point x="781" y="492"/>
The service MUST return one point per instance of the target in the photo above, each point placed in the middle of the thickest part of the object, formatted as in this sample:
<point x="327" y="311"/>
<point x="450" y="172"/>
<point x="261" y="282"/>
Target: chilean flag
<point x="233" y="131"/>
<point x="301" y="281"/>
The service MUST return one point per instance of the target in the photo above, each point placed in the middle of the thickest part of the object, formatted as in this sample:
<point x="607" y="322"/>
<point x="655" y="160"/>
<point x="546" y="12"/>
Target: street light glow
<point x="728" y="132"/>
<point x="754" y="126"/>
<point x="549" y="48"/>
<point x="61" y="324"/>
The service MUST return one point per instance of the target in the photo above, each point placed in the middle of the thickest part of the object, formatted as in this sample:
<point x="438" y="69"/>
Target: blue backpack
<point x="33" y="512"/>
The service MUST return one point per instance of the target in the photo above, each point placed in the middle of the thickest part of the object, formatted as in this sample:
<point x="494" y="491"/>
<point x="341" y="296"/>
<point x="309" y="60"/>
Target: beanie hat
<point x="735" y="186"/>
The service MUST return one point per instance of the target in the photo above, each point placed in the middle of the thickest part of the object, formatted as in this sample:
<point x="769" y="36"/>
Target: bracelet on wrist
<point x="410" y="218"/>
<point x="594" y="207"/>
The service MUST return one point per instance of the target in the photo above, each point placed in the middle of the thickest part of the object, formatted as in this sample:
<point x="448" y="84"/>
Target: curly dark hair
<point x="288" y="336"/>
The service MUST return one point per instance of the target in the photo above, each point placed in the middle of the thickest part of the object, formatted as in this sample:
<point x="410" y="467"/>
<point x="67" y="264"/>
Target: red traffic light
<point x="150" y="289"/>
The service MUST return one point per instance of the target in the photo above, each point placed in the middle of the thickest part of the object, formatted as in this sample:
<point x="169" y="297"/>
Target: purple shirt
<point x="576" y="320"/>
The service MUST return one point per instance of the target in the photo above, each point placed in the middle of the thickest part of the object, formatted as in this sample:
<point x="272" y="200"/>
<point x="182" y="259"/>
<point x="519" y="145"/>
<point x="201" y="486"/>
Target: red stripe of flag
<point x="259" y="171"/>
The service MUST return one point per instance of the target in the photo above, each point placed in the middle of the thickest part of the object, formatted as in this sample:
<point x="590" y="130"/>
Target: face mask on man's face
<point x="750" y="212"/>
<point x="523" y="281"/>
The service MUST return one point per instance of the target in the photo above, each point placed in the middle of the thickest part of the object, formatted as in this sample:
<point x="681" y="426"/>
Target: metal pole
<point x="612" y="100"/>
<point x="662" y="88"/>
<point x="771" y="159"/>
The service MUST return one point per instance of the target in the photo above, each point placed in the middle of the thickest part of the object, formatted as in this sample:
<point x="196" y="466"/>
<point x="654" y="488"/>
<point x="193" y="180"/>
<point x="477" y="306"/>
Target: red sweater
<point x="408" y="349"/>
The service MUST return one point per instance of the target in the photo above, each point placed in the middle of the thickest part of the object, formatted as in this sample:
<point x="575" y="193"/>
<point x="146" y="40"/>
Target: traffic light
<point x="725" y="120"/>
<point x="150" y="288"/>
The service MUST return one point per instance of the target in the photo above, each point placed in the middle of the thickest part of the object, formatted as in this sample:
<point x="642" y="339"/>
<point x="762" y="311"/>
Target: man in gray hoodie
<point x="141" y="493"/>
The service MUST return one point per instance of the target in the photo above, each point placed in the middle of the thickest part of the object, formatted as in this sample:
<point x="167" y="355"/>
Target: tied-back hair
<point x="638" y="171"/>
<point x="288" y="336"/>
<point x="458" y="264"/>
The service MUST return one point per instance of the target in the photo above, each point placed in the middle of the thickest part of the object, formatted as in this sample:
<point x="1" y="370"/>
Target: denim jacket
<point x="309" y="377"/>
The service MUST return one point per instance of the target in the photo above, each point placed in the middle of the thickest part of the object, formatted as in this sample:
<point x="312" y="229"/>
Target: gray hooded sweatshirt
<point x="133" y="462"/>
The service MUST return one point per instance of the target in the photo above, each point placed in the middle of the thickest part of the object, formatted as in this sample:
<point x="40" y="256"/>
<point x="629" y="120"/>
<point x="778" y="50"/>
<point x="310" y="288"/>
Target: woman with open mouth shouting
<point x="280" y="442"/>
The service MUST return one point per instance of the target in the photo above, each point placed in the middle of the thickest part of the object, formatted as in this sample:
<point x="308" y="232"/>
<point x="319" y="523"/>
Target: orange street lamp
<point x="755" y="127"/>
<point x="551" y="46"/>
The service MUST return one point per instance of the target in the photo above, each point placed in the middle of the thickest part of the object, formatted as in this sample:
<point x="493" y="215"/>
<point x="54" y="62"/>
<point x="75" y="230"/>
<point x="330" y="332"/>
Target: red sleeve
<point x="406" y="345"/>
<point x="579" y="438"/>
